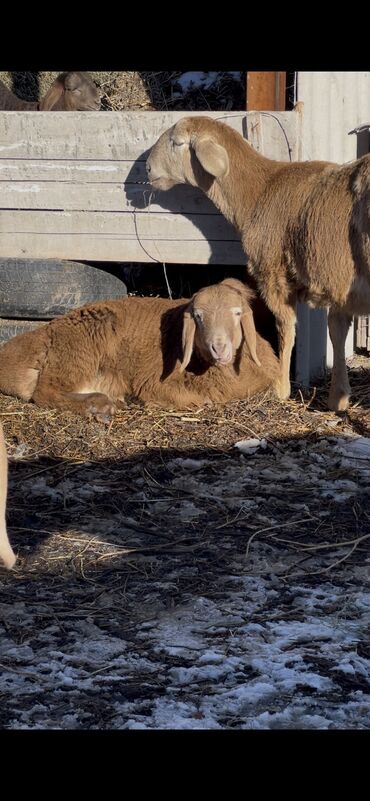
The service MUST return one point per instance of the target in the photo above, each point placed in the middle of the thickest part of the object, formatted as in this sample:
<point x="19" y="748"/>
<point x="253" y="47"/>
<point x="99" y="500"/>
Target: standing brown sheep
<point x="173" y="352"/>
<point x="304" y="226"/>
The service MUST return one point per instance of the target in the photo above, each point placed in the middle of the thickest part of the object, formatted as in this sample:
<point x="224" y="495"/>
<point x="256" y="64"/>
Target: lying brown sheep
<point x="71" y="91"/>
<point x="173" y="352"/>
<point x="7" y="554"/>
<point x="305" y="227"/>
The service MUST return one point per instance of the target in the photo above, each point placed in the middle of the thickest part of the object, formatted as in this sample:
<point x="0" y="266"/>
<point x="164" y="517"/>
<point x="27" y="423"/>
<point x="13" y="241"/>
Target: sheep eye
<point x="198" y="315"/>
<point x="237" y="312"/>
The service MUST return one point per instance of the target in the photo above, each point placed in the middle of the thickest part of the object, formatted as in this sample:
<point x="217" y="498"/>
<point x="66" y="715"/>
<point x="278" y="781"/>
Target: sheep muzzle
<point x="221" y="352"/>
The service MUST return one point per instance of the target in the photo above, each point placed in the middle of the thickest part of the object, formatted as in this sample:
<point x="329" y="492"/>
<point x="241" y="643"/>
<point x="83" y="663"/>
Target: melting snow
<point x="204" y="80"/>
<point x="260" y="648"/>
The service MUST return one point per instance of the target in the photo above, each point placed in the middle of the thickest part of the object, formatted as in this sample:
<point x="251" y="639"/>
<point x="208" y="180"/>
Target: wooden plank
<point x="141" y="225"/>
<point x="70" y="188"/>
<point x="113" y="247"/>
<point x="362" y="329"/>
<point x="266" y="91"/>
<point x="32" y="161"/>
<point x="357" y="333"/>
<point x="78" y="171"/>
<point x="10" y="328"/>
<point x="66" y="196"/>
<point x="115" y="135"/>
<point x="48" y="288"/>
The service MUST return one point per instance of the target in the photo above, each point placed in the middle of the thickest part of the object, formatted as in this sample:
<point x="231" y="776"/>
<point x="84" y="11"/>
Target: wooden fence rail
<point x="70" y="188"/>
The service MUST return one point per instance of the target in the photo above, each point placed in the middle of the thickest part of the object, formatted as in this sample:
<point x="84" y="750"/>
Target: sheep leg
<point x="340" y="390"/>
<point x="90" y="404"/>
<point x="285" y="316"/>
<point x="177" y="396"/>
<point x="7" y="554"/>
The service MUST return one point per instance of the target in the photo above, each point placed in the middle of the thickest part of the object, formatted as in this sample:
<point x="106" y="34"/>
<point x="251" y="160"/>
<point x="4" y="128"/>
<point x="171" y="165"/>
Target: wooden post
<point x="266" y="91"/>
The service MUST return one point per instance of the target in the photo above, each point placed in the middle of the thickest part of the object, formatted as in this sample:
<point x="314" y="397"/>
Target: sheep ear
<point x="52" y="96"/>
<point x="180" y="135"/>
<point x="188" y="333"/>
<point x="233" y="283"/>
<point x="213" y="157"/>
<point x="250" y="336"/>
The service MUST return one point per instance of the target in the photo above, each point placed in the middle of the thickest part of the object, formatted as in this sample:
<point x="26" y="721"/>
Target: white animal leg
<point x="7" y="554"/>
<point x="285" y="323"/>
<point x="340" y="390"/>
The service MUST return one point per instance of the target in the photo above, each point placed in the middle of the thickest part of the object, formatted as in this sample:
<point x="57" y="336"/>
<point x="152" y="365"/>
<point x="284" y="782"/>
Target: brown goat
<point x="7" y="554"/>
<point x="173" y="352"/>
<point x="71" y="91"/>
<point x="304" y="227"/>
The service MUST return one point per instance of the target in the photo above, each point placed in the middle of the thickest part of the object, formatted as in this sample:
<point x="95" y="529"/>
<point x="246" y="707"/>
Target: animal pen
<point x="178" y="569"/>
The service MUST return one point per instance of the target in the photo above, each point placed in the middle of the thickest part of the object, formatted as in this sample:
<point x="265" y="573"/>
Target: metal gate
<point x="362" y="324"/>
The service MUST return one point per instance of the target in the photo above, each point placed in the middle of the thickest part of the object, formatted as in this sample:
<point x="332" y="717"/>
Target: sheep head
<point x="72" y="91"/>
<point x="216" y="322"/>
<point x="188" y="153"/>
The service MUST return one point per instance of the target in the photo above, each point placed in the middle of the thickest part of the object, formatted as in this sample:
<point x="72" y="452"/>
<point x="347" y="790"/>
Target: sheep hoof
<point x="338" y="402"/>
<point x="101" y="409"/>
<point x="282" y="389"/>
<point x="8" y="558"/>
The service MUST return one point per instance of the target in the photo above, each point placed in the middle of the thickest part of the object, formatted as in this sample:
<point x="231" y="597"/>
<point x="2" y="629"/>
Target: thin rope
<point x="152" y="258"/>
<point x="167" y="282"/>
<point x="146" y="251"/>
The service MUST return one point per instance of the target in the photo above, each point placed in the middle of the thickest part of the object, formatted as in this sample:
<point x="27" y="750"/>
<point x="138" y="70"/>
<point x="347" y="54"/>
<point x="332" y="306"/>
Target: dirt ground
<point x="156" y="559"/>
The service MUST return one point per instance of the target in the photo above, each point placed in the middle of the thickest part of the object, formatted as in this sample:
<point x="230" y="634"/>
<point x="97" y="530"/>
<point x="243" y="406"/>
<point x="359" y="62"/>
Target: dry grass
<point x="59" y="446"/>
<point x="139" y="90"/>
<point x="136" y="428"/>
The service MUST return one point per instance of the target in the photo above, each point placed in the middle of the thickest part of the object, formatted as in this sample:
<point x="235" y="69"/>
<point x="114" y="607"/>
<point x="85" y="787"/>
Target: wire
<point x="167" y="282"/>
<point x="270" y="114"/>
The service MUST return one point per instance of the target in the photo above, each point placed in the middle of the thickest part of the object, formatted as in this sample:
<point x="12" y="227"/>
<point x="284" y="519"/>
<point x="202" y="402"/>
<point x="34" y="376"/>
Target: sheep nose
<point x="217" y="350"/>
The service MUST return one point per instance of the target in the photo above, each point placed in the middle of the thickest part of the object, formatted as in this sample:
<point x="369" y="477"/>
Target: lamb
<point x="304" y="227"/>
<point x="7" y="554"/>
<point x="71" y="91"/>
<point x="174" y="352"/>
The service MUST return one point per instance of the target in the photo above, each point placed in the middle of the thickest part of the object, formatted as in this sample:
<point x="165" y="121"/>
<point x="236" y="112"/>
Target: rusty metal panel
<point x="266" y="91"/>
